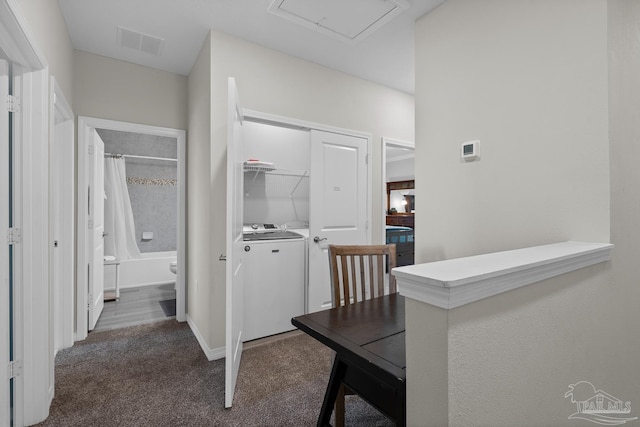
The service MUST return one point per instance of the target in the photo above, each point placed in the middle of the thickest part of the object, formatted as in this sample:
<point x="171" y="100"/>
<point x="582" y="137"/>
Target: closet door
<point x="234" y="258"/>
<point x="339" y="207"/>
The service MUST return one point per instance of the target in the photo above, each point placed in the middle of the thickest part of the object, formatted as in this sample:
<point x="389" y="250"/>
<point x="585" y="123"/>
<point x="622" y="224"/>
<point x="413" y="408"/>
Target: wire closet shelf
<point x="271" y="170"/>
<point x="133" y="156"/>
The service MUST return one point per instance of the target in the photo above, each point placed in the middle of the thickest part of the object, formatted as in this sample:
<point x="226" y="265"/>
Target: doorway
<point x="339" y="209"/>
<point x="398" y="201"/>
<point x="87" y="130"/>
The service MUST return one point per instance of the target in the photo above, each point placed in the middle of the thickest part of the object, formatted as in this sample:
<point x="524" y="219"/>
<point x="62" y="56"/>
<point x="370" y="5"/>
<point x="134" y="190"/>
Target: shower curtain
<point x="120" y="238"/>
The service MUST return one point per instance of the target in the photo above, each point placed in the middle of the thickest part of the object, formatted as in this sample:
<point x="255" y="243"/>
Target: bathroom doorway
<point x="155" y="176"/>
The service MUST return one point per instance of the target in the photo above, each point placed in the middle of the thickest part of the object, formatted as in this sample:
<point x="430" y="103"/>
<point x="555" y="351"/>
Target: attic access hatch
<point x="349" y="21"/>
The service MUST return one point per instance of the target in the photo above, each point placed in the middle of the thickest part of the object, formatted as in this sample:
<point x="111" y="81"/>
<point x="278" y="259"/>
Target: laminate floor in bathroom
<point x="136" y="306"/>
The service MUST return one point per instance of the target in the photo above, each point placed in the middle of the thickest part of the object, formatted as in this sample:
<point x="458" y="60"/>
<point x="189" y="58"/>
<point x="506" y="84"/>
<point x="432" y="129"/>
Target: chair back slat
<point x="380" y="277"/>
<point x="370" y="265"/>
<point x="345" y="279"/>
<point x="360" y="272"/>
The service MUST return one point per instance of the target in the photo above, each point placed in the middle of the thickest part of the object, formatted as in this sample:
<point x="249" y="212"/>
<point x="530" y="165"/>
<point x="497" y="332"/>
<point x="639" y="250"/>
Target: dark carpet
<point x="157" y="375"/>
<point x="168" y="307"/>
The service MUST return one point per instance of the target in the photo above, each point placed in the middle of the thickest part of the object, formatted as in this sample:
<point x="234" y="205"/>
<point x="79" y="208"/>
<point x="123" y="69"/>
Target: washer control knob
<point x="254" y="226"/>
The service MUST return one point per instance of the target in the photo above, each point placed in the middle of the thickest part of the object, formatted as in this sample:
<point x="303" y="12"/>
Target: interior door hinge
<point x="366" y="159"/>
<point x="15" y="369"/>
<point x="90" y="224"/>
<point x="14" y="235"/>
<point x="13" y="103"/>
<point x="91" y="149"/>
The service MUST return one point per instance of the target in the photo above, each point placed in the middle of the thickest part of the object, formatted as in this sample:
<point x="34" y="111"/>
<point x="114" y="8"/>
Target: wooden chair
<point x="358" y="273"/>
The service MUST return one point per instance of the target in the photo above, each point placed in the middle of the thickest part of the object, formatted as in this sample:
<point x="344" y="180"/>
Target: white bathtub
<point x="151" y="269"/>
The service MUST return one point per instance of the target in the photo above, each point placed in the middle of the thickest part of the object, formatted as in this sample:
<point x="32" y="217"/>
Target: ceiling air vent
<point x="347" y="20"/>
<point x="139" y="41"/>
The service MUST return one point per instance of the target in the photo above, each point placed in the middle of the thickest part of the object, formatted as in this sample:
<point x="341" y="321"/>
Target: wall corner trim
<point x="211" y="353"/>
<point x="453" y="283"/>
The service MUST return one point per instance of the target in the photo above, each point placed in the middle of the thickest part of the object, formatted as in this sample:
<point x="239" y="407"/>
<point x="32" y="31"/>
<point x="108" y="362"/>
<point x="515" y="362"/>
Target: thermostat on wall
<point x="470" y="150"/>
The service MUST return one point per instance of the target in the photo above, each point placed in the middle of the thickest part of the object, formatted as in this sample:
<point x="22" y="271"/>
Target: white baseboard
<point x="140" y="285"/>
<point x="211" y="353"/>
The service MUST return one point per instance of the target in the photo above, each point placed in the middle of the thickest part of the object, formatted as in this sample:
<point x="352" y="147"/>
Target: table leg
<point x="335" y="380"/>
<point x="339" y="411"/>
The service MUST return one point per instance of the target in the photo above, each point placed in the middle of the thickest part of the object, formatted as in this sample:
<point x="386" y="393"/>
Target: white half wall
<point x="529" y="80"/>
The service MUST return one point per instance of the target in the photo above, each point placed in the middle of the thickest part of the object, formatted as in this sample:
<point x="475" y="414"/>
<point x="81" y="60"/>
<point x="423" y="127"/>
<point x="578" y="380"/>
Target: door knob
<point x="318" y="239"/>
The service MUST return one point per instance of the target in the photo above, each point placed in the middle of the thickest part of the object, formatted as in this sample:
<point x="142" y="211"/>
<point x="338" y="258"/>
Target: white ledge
<point x="456" y="282"/>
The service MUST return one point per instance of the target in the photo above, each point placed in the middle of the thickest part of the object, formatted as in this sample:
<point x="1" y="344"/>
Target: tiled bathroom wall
<point x="152" y="186"/>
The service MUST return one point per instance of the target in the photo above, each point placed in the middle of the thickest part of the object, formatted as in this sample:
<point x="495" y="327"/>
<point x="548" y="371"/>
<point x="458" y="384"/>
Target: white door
<point x="55" y="188"/>
<point x="62" y="218"/>
<point x="96" y="230"/>
<point x="234" y="267"/>
<point x="339" y="206"/>
<point x="5" y="206"/>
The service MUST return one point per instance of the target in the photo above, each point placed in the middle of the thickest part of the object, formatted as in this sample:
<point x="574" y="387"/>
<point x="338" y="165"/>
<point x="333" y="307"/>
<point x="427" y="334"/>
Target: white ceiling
<point x="385" y="56"/>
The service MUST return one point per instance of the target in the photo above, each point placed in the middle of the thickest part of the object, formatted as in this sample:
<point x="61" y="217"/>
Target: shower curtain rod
<point x="141" y="157"/>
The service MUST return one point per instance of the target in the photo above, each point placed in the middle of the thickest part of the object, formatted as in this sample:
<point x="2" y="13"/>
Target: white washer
<point x="274" y="286"/>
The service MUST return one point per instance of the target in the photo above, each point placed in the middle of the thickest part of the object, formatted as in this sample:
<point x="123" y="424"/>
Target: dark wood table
<point x="369" y="340"/>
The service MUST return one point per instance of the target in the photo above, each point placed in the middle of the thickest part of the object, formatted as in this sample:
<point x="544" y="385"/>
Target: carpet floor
<point x="157" y="375"/>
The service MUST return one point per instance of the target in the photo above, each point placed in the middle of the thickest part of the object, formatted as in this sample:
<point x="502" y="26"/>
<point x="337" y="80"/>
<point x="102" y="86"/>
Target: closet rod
<point x="142" y="157"/>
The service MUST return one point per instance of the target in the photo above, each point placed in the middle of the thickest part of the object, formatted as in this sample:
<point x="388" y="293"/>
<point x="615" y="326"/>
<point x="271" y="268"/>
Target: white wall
<point x="512" y="75"/>
<point x="401" y="170"/>
<point x="111" y="89"/>
<point x="199" y="214"/>
<point x="529" y="80"/>
<point x="624" y="134"/>
<point x="49" y="30"/>
<point x="275" y="83"/>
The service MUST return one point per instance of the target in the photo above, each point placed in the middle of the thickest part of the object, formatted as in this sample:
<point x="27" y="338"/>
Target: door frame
<point x="389" y="142"/>
<point x="33" y="390"/>
<point x="275" y="120"/>
<point x="86" y="125"/>
<point x="62" y="188"/>
<point x="5" y="308"/>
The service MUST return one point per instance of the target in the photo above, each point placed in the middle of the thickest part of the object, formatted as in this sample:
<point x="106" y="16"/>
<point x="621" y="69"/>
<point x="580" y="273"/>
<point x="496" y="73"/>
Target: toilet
<point x="173" y="266"/>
